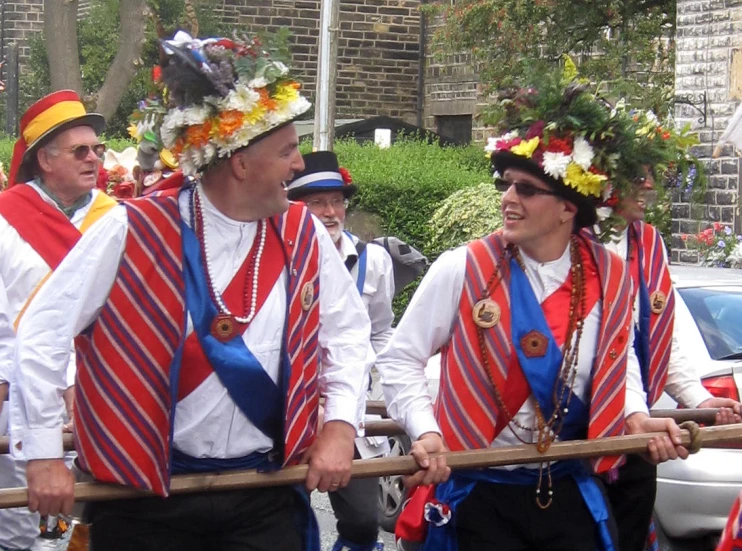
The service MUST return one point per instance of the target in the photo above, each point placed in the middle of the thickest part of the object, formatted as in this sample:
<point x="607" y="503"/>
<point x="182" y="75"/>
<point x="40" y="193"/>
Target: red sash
<point x="42" y="226"/>
<point x="195" y="368"/>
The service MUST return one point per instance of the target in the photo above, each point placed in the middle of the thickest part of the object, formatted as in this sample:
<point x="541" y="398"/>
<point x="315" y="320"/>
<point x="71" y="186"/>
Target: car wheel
<point x="392" y="493"/>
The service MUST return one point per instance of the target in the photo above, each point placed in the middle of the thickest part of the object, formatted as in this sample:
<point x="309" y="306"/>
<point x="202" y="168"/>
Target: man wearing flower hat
<point x="664" y="365"/>
<point x="210" y="319"/>
<point x="557" y="367"/>
<point x="325" y="188"/>
<point x="51" y="200"/>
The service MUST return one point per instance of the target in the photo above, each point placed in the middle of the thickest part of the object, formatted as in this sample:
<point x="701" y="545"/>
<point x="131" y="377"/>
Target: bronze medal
<point x="222" y="328"/>
<point x="486" y="313"/>
<point x="534" y="344"/>
<point x="657" y="302"/>
<point x="307" y="295"/>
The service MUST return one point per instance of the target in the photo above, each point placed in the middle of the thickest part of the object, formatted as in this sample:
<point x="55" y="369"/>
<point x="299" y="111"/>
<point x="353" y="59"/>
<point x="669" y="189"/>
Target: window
<point x="455" y="127"/>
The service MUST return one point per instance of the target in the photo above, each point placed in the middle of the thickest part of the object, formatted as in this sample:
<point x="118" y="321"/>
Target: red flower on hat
<point x="124" y="190"/>
<point x="347" y="180"/>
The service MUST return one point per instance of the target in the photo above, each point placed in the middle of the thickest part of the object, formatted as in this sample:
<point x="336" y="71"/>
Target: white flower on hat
<point x="242" y="98"/>
<point x="604" y="213"/>
<point x="555" y="164"/>
<point x="582" y="153"/>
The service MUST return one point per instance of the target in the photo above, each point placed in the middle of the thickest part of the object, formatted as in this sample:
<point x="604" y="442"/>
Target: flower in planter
<point x="717" y="246"/>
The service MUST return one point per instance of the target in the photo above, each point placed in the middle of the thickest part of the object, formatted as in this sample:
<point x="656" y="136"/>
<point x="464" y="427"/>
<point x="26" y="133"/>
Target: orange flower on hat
<point x="198" y="134"/>
<point x="229" y="122"/>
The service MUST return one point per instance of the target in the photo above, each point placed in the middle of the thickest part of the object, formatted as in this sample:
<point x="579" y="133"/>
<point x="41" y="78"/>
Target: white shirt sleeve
<point x="66" y="304"/>
<point x="380" y="303"/>
<point x="344" y="335"/>
<point x="426" y="326"/>
<point x="683" y="383"/>
<point x="7" y="336"/>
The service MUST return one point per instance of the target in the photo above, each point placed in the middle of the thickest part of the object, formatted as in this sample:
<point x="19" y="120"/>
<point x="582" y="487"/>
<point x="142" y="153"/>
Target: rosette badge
<point x="224" y="93"/>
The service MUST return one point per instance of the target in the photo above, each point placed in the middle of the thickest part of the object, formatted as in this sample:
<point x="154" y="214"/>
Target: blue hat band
<point x="318" y="180"/>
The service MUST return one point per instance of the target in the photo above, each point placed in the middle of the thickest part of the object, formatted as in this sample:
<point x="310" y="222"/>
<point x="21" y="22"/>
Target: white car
<point x="693" y="496"/>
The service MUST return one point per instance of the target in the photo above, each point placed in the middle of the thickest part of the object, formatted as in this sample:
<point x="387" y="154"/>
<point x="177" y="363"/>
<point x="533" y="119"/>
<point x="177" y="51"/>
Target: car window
<point x="718" y="315"/>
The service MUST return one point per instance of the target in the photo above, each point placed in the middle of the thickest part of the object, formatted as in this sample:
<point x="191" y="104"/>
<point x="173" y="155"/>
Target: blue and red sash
<point x="655" y="330"/>
<point x="132" y="353"/>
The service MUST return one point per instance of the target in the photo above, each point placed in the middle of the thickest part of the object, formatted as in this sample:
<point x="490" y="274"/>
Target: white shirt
<point x="428" y="324"/>
<point x="21" y="271"/>
<point x="683" y="383"/>
<point x="378" y="287"/>
<point x="377" y="295"/>
<point x="207" y="421"/>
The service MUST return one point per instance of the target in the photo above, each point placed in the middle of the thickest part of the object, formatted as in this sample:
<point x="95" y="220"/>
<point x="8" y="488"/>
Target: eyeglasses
<point x="81" y="152"/>
<point x="523" y="189"/>
<point x="323" y="204"/>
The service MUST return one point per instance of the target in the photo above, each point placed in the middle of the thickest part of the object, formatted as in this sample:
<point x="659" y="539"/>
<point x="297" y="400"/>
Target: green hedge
<point x="405" y="184"/>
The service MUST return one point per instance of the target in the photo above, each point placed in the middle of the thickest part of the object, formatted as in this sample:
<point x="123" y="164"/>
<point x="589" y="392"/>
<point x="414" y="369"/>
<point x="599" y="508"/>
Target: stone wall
<point x="708" y="62"/>
<point x="378" y="47"/>
<point x="451" y="85"/>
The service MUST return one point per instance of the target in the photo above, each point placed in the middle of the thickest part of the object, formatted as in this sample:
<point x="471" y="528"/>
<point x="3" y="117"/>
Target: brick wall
<point x="709" y="41"/>
<point x="451" y="85"/>
<point x="378" y="49"/>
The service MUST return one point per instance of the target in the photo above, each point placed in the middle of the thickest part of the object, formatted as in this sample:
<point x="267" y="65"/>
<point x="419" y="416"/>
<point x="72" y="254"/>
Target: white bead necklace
<point x="216" y="294"/>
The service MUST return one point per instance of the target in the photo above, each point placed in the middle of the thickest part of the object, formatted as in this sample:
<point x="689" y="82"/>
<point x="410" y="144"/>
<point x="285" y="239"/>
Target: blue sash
<point x="249" y="386"/>
<point x="461" y="483"/>
<point x="361" y="272"/>
<point x="641" y="330"/>
<point x="526" y="315"/>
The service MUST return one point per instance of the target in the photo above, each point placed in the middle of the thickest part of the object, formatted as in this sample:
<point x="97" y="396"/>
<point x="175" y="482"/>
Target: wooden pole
<point x="387" y="427"/>
<point x="706" y="416"/>
<point x="387" y="466"/>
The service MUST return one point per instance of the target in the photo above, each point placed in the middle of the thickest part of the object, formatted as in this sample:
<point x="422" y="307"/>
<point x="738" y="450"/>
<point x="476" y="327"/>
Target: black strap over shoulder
<point x="352" y="260"/>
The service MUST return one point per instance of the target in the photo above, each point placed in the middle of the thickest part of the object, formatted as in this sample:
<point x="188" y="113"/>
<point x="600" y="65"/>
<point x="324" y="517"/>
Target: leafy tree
<point x="98" y="45"/>
<point x="628" y="44"/>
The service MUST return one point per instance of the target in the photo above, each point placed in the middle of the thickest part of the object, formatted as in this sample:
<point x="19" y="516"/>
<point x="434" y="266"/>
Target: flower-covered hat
<point x="565" y="134"/>
<point x="223" y="94"/>
<point x="321" y="173"/>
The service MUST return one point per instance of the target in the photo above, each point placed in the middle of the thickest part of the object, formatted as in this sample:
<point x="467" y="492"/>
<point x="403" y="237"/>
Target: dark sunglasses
<point x="81" y="152"/>
<point x="523" y="189"/>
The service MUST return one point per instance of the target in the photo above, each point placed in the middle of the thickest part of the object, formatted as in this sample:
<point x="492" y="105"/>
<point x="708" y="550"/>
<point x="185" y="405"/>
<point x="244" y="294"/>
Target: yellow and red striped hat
<point x="52" y="114"/>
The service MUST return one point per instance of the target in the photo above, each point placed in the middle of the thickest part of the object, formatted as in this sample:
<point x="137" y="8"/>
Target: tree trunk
<point x="60" y="33"/>
<point x="125" y="64"/>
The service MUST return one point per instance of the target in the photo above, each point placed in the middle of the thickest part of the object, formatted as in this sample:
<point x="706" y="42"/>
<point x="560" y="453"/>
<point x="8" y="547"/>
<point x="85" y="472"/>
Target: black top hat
<point x="321" y="173"/>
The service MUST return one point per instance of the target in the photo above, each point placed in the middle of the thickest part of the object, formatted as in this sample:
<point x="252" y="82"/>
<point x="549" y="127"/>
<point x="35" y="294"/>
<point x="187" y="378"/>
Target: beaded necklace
<point x="223" y="327"/>
<point x="547" y="430"/>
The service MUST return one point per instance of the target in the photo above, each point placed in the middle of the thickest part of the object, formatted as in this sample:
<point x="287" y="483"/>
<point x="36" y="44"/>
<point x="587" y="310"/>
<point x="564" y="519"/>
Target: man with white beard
<point x="326" y="188"/>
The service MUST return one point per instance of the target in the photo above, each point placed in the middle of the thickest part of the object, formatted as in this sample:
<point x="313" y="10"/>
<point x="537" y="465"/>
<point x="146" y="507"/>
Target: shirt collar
<point x="347" y="247"/>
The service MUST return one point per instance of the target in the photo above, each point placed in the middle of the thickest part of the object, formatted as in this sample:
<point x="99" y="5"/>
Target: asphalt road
<point x="326" y="520"/>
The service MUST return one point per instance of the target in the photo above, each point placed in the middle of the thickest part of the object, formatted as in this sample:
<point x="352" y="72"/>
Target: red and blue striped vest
<point x="656" y="274"/>
<point x="467" y="410"/>
<point x="125" y="402"/>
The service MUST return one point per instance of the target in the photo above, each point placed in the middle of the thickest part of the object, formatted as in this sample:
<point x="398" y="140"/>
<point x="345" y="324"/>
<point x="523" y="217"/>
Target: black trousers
<point x="632" y="500"/>
<point x="505" y="517"/>
<point x="356" y="509"/>
<point x="246" y="520"/>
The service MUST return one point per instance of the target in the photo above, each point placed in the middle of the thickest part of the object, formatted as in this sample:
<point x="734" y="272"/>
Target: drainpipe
<point x="421" y="71"/>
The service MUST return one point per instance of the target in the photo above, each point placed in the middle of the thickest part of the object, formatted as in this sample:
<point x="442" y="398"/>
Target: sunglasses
<point x="81" y="152"/>
<point x="523" y="189"/>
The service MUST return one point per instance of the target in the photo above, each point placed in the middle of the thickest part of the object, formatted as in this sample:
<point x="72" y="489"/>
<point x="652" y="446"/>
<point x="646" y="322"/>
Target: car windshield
<point x="718" y="315"/>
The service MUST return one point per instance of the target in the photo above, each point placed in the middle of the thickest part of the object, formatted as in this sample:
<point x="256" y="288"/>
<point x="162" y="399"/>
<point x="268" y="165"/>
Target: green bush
<point x="405" y="184"/>
<point x="466" y="215"/>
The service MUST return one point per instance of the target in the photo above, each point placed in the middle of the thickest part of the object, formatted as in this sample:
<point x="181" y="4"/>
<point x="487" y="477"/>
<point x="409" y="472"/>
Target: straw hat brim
<point x="94" y="120"/>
